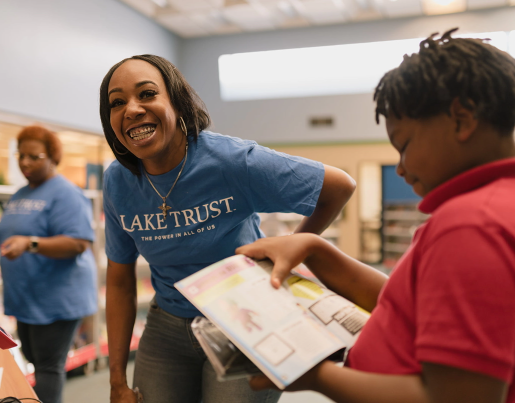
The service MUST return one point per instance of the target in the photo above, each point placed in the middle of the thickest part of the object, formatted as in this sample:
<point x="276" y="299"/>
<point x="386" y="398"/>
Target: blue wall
<point x="54" y="54"/>
<point x="395" y="189"/>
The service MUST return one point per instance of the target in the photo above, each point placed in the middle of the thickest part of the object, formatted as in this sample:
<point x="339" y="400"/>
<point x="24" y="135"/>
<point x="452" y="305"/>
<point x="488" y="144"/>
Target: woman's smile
<point x="142" y="132"/>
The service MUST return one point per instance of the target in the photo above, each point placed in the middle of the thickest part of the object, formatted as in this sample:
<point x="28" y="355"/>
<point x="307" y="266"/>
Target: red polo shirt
<point x="451" y="298"/>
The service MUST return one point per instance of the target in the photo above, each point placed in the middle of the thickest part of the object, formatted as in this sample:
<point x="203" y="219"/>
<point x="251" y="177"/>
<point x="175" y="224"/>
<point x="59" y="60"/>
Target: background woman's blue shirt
<point x="37" y="289"/>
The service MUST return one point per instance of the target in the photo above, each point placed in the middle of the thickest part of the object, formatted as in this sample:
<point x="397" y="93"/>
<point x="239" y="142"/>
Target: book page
<point x="340" y="316"/>
<point x="281" y="336"/>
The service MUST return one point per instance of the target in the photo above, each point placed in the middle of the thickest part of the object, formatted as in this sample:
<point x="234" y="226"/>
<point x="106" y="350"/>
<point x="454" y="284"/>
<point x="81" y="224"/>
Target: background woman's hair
<point x="53" y="145"/>
<point x="183" y="98"/>
<point x="425" y="83"/>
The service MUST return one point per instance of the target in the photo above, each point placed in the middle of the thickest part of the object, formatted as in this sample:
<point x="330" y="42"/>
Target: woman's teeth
<point x="142" y="132"/>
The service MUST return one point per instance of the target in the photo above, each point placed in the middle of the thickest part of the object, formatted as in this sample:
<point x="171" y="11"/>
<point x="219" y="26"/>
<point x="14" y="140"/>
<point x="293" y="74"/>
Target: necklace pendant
<point x="164" y="208"/>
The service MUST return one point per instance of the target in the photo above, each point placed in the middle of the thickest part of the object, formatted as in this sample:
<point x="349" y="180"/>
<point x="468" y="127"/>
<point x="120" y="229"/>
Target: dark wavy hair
<point x="426" y="83"/>
<point x="183" y="98"/>
<point x="53" y="145"/>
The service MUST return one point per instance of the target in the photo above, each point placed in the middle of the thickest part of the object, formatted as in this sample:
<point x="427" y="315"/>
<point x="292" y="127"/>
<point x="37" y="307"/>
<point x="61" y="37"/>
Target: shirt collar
<point x="467" y="181"/>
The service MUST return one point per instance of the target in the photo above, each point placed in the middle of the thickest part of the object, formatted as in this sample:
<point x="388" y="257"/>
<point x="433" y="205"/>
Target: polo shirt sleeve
<point x="70" y="214"/>
<point x="279" y="182"/>
<point x="119" y="245"/>
<point x="465" y="303"/>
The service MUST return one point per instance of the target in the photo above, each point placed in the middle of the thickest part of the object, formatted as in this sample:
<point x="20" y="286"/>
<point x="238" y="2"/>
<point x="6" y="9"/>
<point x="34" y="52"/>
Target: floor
<point x="95" y="388"/>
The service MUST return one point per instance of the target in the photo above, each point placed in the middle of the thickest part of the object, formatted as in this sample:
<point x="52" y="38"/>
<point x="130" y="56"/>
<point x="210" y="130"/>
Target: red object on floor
<point x="80" y="356"/>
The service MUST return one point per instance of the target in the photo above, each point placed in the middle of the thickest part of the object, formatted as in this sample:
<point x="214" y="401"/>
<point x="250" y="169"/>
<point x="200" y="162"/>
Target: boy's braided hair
<point x="426" y="83"/>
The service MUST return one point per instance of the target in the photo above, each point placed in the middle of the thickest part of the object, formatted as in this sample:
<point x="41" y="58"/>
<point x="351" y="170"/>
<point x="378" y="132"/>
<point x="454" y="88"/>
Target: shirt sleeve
<point x="71" y="214"/>
<point x="280" y="182"/>
<point x="119" y="246"/>
<point x="465" y="303"/>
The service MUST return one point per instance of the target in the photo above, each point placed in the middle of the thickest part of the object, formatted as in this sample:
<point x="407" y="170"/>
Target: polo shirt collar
<point x="467" y="181"/>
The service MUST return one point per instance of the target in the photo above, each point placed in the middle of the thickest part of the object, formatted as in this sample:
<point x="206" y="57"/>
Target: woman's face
<point x="34" y="162"/>
<point x="142" y="115"/>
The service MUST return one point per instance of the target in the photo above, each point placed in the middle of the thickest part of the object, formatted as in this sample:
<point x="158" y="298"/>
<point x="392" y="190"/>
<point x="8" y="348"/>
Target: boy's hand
<point x="287" y="252"/>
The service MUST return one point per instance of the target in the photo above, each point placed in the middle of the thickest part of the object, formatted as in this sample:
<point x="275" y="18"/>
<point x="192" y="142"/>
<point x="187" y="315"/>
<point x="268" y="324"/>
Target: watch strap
<point x="34" y="244"/>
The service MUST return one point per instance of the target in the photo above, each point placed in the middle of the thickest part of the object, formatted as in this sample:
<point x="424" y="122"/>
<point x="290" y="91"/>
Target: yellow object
<point x="303" y="288"/>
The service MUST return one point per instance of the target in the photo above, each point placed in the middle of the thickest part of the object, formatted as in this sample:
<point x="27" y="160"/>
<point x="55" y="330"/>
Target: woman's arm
<point x="438" y="384"/>
<point x="346" y="276"/>
<point x="121" y="300"/>
<point x="55" y="247"/>
<point x="337" y="189"/>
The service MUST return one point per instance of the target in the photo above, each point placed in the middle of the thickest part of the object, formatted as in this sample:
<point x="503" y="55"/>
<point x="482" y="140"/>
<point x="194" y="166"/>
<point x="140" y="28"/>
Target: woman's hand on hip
<point x="14" y="246"/>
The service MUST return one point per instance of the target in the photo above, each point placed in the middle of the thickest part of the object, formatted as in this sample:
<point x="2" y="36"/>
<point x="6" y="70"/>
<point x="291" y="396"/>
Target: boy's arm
<point x="346" y="276"/>
<point x="438" y="384"/>
<point x="337" y="189"/>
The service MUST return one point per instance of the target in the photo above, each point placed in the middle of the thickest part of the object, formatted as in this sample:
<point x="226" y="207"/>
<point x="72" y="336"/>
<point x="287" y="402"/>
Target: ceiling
<point x="195" y="18"/>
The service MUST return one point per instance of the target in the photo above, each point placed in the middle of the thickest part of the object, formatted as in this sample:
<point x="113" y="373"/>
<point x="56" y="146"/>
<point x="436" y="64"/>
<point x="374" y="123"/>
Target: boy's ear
<point x="466" y="121"/>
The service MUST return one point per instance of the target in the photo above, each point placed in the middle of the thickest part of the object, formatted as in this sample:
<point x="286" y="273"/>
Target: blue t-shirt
<point x="39" y="290"/>
<point x="226" y="181"/>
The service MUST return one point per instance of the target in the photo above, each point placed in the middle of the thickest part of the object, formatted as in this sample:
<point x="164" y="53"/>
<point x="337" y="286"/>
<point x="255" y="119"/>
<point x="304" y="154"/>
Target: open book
<point x="283" y="332"/>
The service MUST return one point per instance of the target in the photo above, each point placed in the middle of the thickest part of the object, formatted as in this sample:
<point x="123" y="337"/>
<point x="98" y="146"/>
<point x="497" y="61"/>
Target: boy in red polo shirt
<point x="442" y="328"/>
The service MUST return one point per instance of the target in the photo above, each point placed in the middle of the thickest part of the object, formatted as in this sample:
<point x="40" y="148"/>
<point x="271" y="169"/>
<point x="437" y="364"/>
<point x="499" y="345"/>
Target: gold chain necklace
<point x="164" y="208"/>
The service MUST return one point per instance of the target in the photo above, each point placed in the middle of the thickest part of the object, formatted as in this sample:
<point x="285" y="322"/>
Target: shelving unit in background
<point x="400" y="216"/>
<point x="278" y="224"/>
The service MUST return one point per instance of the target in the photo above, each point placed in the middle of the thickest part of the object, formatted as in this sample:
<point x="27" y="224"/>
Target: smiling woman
<point x="154" y="82"/>
<point x="183" y="198"/>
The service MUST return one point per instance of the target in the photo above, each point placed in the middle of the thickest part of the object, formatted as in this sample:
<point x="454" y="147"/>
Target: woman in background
<point x="184" y="198"/>
<point x="48" y="267"/>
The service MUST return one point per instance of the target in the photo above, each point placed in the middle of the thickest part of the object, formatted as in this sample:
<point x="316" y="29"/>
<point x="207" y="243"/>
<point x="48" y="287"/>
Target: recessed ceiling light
<point x="432" y="7"/>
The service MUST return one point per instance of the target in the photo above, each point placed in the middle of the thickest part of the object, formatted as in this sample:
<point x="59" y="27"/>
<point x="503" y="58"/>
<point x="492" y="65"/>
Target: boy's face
<point x="428" y="148"/>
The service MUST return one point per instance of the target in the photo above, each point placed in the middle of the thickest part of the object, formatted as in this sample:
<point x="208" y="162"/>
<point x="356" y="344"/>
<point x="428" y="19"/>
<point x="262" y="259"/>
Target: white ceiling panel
<point x="398" y="8"/>
<point x="182" y="25"/>
<point x="208" y="21"/>
<point x="350" y="8"/>
<point x="214" y="23"/>
<point x="208" y="17"/>
<point x="474" y="4"/>
<point x="191" y="5"/>
<point x="249" y="17"/>
<point x="321" y="11"/>
<point x="367" y="15"/>
<point x="145" y="7"/>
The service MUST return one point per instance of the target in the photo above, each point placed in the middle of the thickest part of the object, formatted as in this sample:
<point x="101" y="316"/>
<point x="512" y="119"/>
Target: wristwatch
<point x="34" y="243"/>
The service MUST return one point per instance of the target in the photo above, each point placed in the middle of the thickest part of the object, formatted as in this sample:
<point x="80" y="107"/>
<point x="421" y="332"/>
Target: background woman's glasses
<point x="31" y="157"/>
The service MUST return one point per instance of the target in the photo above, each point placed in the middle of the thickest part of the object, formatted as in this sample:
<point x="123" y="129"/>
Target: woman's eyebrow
<point x="114" y="90"/>
<point x="145" y="82"/>
<point x="141" y="83"/>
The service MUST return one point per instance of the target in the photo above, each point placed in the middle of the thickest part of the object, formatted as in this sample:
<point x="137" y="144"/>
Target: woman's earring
<point x="118" y="152"/>
<point x="183" y="126"/>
